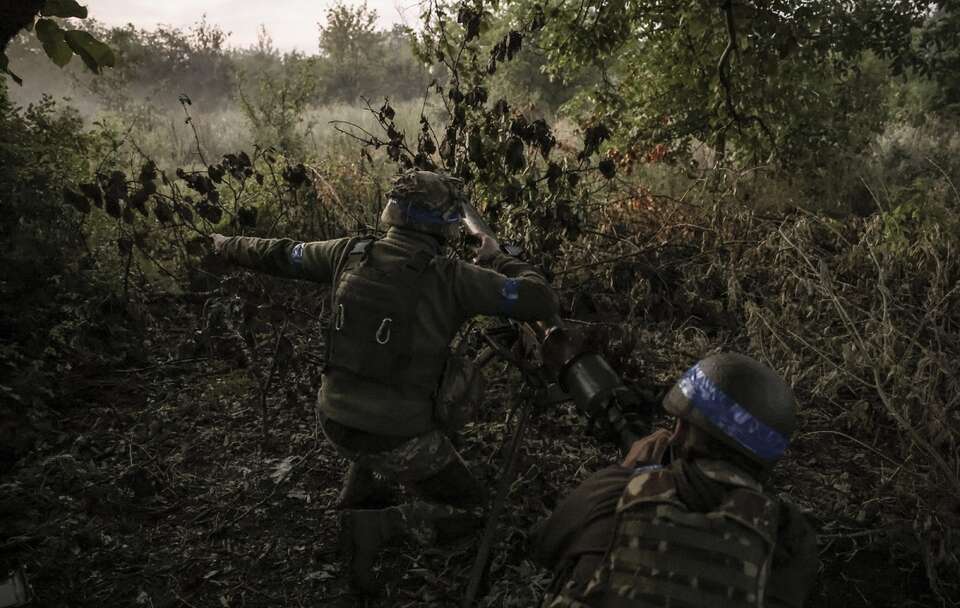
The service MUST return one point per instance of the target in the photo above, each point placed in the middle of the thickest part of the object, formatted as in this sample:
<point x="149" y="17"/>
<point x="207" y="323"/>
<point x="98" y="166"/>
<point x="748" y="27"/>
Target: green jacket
<point x="452" y="292"/>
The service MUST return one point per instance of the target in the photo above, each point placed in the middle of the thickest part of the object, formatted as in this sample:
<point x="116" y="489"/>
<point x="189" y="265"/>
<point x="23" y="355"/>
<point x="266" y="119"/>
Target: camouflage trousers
<point x="420" y="457"/>
<point x="431" y="468"/>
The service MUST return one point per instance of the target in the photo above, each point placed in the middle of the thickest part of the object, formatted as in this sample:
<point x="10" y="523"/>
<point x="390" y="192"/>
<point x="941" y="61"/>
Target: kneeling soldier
<point x="397" y="302"/>
<point x="686" y="520"/>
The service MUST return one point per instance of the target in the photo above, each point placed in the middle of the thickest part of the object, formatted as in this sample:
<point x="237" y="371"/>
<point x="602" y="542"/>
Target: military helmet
<point x="426" y="201"/>
<point x="740" y="401"/>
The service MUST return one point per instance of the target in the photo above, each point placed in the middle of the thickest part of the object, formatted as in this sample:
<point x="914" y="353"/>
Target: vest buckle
<point x="383" y="332"/>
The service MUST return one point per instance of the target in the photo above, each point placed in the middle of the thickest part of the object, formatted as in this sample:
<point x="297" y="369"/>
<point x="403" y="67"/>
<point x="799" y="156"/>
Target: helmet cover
<point x="426" y="201"/>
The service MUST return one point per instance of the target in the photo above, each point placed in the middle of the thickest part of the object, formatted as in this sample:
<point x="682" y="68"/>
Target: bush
<point x="57" y="310"/>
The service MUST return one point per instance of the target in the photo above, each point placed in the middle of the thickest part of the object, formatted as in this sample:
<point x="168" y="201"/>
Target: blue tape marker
<point x="509" y="295"/>
<point x="730" y="417"/>
<point x="646" y="468"/>
<point x="417" y="215"/>
<point x="296" y="255"/>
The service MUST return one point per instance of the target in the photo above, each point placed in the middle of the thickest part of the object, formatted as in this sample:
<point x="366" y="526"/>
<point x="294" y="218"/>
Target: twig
<point x="877" y="384"/>
<point x="503" y="489"/>
<point x="855" y="440"/>
<point x="373" y="141"/>
<point x="137" y="370"/>
<point x="723" y="66"/>
<point x="265" y="388"/>
<point x="946" y="176"/>
<point x="196" y="136"/>
<point x="319" y="178"/>
<point x="862" y="533"/>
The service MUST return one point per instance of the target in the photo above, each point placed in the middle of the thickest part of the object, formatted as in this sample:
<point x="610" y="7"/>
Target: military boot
<point x="361" y="489"/>
<point x="363" y="532"/>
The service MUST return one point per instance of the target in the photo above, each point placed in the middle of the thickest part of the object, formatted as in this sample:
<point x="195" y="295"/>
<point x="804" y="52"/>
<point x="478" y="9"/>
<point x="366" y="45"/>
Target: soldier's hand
<point x="218" y="241"/>
<point x="486" y="250"/>
<point x="650" y="449"/>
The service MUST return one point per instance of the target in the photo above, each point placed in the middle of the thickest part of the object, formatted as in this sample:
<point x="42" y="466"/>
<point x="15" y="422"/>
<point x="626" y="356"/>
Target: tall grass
<point x="173" y="138"/>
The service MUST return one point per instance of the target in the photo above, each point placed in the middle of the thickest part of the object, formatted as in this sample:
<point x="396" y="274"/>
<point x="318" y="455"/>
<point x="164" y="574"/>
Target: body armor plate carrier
<point x="663" y="554"/>
<point x="374" y="319"/>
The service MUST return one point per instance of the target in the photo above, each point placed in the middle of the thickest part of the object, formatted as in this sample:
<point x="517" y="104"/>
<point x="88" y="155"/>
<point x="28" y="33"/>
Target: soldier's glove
<point x="218" y="241"/>
<point x="485" y="249"/>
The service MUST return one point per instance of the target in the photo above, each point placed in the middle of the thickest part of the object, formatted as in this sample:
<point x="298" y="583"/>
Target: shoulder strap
<point x="357" y="253"/>
<point x="354" y="253"/>
<point x="754" y="510"/>
<point x="650" y="485"/>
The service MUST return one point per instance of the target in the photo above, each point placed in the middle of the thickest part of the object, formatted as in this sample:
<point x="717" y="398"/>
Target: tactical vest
<point x="665" y="555"/>
<point x="374" y="318"/>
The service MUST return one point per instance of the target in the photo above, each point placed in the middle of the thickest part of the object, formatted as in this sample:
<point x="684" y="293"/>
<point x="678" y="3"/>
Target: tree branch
<point x="723" y="70"/>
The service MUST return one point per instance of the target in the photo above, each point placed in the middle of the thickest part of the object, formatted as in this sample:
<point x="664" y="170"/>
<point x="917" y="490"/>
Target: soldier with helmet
<point x="396" y="303"/>
<point x="686" y="519"/>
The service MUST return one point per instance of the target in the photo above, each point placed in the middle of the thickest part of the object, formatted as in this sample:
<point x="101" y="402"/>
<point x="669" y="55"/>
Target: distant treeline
<point x="353" y="59"/>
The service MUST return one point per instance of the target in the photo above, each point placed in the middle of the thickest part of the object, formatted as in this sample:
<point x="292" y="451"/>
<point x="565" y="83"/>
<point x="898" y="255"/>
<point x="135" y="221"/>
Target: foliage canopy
<point x="60" y="45"/>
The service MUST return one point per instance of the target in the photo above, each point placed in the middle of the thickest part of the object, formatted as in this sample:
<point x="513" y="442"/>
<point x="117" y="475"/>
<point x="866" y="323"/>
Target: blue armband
<point x="296" y="256"/>
<point x="509" y="295"/>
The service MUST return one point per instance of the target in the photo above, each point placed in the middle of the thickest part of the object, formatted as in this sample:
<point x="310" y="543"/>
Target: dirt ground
<point x="155" y="487"/>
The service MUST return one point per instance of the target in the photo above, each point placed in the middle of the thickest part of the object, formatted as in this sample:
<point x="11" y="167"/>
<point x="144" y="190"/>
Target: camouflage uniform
<point x="387" y="353"/>
<point x="698" y="531"/>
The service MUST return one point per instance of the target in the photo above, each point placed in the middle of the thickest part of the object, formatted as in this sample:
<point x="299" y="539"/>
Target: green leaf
<point x="59" y="52"/>
<point x="607" y="168"/>
<point x="63" y="8"/>
<point x="95" y="54"/>
<point x="76" y="200"/>
<point x="54" y="44"/>
<point x="47" y="29"/>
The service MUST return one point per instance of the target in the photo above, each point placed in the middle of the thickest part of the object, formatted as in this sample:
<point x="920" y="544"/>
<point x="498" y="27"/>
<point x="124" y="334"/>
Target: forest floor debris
<point x="159" y="489"/>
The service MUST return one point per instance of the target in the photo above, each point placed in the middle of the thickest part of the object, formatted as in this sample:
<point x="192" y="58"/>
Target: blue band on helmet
<point x="646" y="468"/>
<point x="296" y="255"/>
<point x="509" y="294"/>
<point x="730" y="417"/>
<point x="418" y="215"/>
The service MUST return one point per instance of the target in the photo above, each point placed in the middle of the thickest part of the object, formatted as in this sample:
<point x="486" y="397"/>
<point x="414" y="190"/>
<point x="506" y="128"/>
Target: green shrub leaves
<point x="76" y="200"/>
<point x="95" y="54"/>
<point x="54" y="43"/>
<point x="63" y="8"/>
<point x="61" y="45"/>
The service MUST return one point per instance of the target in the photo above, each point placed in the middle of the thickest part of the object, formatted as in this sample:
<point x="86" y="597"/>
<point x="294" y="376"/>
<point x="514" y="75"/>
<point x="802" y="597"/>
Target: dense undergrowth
<point x="137" y="400"/>
<point x="158" y="434"/>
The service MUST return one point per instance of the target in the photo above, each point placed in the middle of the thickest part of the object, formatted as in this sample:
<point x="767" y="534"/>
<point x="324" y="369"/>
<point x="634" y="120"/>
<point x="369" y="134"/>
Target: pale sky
<point x="291" y="23"/>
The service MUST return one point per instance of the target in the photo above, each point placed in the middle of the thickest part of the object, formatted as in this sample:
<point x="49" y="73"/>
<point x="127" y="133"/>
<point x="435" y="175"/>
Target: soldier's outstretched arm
<point x="313" y="261"/>
<point x="509" y="287"/>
